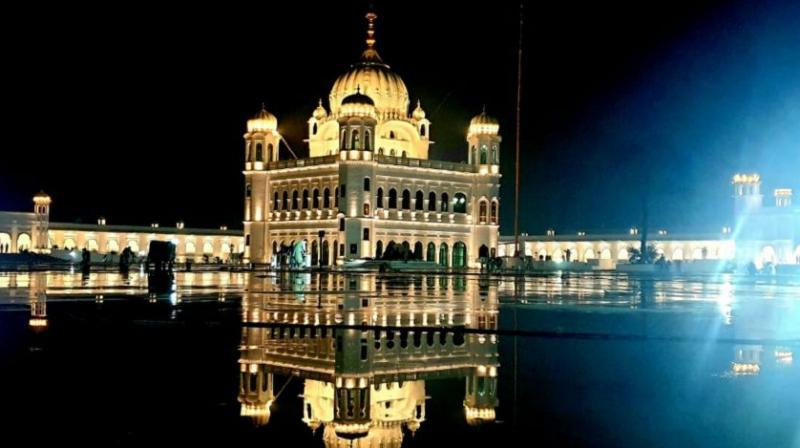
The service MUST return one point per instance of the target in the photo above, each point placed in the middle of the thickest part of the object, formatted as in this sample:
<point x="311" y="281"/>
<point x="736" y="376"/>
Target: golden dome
<point x="262" y="122"/>
<point x="41" y="198"/>
<point x="419" y="113"/>
<point x="319" y="112"/>
<point x="357" y="105"/>
<point x="484" y="124"/>
<point x="372" y="77"/>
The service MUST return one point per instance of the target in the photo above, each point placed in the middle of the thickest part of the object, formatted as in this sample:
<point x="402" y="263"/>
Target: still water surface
<point x="399" y="360"/>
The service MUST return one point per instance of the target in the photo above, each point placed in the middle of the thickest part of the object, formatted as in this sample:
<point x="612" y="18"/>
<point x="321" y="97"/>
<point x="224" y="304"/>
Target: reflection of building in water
<point x="38" y="301"/>
<point x="747" y="360"/>
<point x="783" y="356"/>
<point x="365" y="385"/>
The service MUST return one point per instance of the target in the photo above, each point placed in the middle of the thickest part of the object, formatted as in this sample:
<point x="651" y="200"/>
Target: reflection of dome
<point x="484" y="124"/>
<point x="258" y="413"/>
<point x="374" y="78"/>
<point x="478" y="415"/>
<point x="263" y="121"/>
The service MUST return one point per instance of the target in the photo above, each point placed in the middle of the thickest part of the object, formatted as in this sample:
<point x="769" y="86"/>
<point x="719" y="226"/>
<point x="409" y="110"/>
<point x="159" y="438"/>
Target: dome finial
<point x="370" y="54"/>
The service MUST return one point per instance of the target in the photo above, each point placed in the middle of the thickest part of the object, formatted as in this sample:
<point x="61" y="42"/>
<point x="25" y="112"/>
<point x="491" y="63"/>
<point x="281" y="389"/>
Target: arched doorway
<point x="483" y="251"/>
<point x="768" y="256"/>
<point x="418" y="250"/>
<point x="407" y="250"/>
<point x="542" y="254"/>
<point x="112" y="246"/>
<point x="443" y="254"/>
<point x="677" y="254"/>
<point x="459" y="255"/>
<point x="589" y="254"/>
<point x="5" y="243"/>
<point x="23" y="242"/>
<point x="622" y="255"/>
<point x="326" y="256"/>
<point x="431" y="252"/>
<point x="379" y="249"/>
<point x="314" y="253"/>
<point x="605" y="254"/>
<point x="558" y="255"/>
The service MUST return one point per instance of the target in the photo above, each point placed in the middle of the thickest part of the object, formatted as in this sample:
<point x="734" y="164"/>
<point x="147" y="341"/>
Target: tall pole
<point x="517" y="252"/>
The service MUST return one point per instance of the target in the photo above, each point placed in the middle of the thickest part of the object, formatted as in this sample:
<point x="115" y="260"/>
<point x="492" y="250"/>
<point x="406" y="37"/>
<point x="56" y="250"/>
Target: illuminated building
<point x="370" y="179"/>
<point x="762" y="235"/>
<point x="34" y="232"/>
<point x="366" y="387"/>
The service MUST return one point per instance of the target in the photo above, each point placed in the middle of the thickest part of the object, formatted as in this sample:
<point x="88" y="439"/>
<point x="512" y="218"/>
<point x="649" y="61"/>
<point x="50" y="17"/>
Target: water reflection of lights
<point x="783" y="356"/>
<point x="725" y="300"/>
<point x="745" y="369"/>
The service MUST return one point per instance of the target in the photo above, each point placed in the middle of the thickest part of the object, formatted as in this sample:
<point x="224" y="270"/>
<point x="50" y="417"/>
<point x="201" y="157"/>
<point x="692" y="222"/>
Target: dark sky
<point x="137" y="113"/>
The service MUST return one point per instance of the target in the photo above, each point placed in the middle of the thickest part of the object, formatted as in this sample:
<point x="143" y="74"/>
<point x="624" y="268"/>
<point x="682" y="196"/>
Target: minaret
<point x="483" y="141"/>
<point x="40" y="235"/>
<point x="747" y="195"/>
<point x="261" y="148"/>
<point x="317" y="118"/>
<point x="422" y="123"/>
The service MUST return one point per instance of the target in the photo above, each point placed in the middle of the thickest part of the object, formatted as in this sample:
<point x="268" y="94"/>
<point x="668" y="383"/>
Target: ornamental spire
<point x="371" y="54"/>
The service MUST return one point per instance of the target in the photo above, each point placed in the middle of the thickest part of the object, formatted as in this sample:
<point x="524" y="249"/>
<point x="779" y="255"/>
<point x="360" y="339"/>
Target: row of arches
<point x="483" y="205"/>
<point x="457" y="257"/>
<point x="24" y="243"/>
<point x="459" y="203"/>
<point x="485" y="156"/>
<point x="255" y="152"/>
<point x="306" y="199"/>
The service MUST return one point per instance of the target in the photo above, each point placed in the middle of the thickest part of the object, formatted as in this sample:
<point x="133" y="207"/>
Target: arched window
<point x="248" y="191"/>
<point x="366" y="209"/>
<point x="404" y="154"/>
<point x="460" y="203"/>
<point x="276" y="201"/>
<point x="391" y="134"/>
<point x="366" y="184"/>
<point x="336" y="197"/>
<point x="482" y="212"/>
<point x="305" y="199"/>
<point x="392" y="198"/>
<point x="380" y="151"/>
<point x="247" y="240"/>
<point x="378" y="249"/>
<point x="445" y="202"/>
<point x="443" y="254"/>
<point x="367" y="141"/>
<point x="474" y="153"/>
<point x="380" y="197"/>
<point x="494" y="212"/>
<point x="355" y="139"/>
<point x="190" y="248"/>
<point x="295" y="202"/>
<point x="259" y="153"/>
<point x="483" y="154"/>
<point x="422" y="130"/>
<point x="406" y="200"/>
<point x="365" y="235"/>
<point x="418" y="250"/>
<point x="495" y="155"/>
<point x="341" y="224"/>
<point x="315" y="198"/>
<point x="326" y="198"/>
<point x="285" y="200"/>
<point x="431" y="252"/>
<point x="419" y="201"/>
<point x="314" y="129"/>
<point x="459" y="255"/>
<point x="392" y="153"/>
<point x="431" y="202"/>
<point x="270" y="156"/>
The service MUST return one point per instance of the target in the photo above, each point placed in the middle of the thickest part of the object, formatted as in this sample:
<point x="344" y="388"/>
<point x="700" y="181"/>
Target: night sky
<point x="137" y="113"/>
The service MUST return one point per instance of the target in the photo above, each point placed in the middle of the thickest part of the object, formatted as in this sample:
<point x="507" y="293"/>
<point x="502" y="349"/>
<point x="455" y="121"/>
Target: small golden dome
<point x="319" y="112"/>
<point x="41" y="198"/>
<point x="262" y="122"/>
<point x="357" y="105"/>
<point x="419" y="113"/>
<point x="484" y="124"/>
